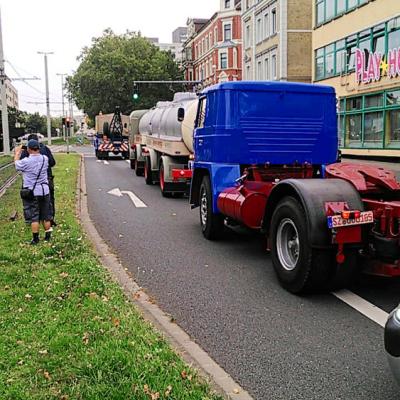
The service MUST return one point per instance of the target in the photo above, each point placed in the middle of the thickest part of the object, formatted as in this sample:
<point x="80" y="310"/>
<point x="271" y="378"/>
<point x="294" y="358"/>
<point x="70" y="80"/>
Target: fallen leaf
<point x="155" y="396"/>
<point x="20" y="309"/>
<point x="236" y="391"/>
<point x="93" y="295"/>
<point x="136" y="295"/>
<point x="47" y="375"/>
<point x="168" y="391"/>
<point x="146" y="389"/>
<point x="85" y="338"/>
<point x="64" y="274"/>
<point x="28" y="296"/>
<point x="184" y="374"/>
<point x="64" y="397"/>
<point x="6" y="287"/>
<point x="43" y="351"/>
<point x="115" y="322"/>
<point x="20" y="362"/>
<point x="105" y="299"/>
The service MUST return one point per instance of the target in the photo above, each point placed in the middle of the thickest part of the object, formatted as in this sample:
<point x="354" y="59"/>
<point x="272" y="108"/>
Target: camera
<point x="24" y="147"/>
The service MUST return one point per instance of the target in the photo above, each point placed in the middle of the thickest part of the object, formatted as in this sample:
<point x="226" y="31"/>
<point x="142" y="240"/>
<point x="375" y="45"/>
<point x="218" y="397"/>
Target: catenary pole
<point x="62" y="95"/>
<point x="46" y="72"/>
<point x="4" y="110"/>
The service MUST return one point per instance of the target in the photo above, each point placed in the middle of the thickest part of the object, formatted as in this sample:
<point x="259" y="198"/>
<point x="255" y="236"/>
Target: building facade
<point x="179" y="35"/>
<point x="213" y="51"/>
<point x="277" y="36"/>
<point x="11" y="95"/>
<point x="356" y="49"/>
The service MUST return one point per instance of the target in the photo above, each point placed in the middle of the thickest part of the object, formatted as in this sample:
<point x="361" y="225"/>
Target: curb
<point x="190" y="351"/>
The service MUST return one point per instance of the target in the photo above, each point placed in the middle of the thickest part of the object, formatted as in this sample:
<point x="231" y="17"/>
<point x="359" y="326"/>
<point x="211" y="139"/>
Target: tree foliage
<point x="105" y="76"/>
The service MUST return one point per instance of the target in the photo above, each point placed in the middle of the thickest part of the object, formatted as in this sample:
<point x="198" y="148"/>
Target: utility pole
<point x="62" y="96"/>
<point x="47" y="95"/>
<point x="4" y="110"/>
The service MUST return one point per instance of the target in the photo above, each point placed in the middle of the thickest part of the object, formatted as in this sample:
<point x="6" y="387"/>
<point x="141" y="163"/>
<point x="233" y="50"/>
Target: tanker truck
<point x="136" y="143"/>
<point x="167" y="134"/>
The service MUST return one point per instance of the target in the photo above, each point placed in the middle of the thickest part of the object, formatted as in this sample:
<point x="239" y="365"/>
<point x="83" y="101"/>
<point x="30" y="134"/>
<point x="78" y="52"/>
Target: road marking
<point x="362" y="306"/>
<point x="99" y="161"/>
<point x="106" y="162"/>
<point x="128" y="161"/>
<point x="135" y="200"/>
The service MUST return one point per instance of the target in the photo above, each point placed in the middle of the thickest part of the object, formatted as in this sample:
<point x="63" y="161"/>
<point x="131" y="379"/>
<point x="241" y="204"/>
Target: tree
<point x="105" y="76"/>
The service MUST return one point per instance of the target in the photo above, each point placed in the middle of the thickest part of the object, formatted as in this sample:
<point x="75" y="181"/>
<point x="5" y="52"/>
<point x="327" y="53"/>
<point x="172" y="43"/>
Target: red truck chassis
<point x="374" y="230"/>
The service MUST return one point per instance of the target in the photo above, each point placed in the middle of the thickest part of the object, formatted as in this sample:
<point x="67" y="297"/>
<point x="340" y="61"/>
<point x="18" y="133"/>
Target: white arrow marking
<point x="106" y="162"/>
<point x="135" y="200"/>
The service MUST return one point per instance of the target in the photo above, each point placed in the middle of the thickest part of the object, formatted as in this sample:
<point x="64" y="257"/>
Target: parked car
<point x="392" y="342"/>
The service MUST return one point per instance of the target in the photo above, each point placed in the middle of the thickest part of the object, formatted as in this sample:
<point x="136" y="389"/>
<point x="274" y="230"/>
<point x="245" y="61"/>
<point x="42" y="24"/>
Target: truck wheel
<point x="139" y="171"/>
<point x="147" y="172"/>
<point x="300" y="269"/>
<point x="212" y="225"/>
<point x="162" y="181"/>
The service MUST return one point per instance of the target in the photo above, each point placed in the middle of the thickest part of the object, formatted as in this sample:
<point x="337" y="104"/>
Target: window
<point x="319" y="64"/>
<point x="259" y="70"/>
<point x="266" y="26"/>
<point x="215" y="35"/>
<point x="393" y="124"/>
<point x="227" y="3"/>
<point x="374" y="101"/>
<point x="273" y="27"/>
<point x="201" y="113"/>
<point x="329" y="61"/>
<point x="354" y="103"/>
<point x="273" y="67"/>
<point x="223" y="61"/>
<point x="248" y="36"/>
<point x="227" y="32"/>
<point x="373" y="128"/>
<point x="340" y="57"/>
<point x="326" y="10"/>
<point x="393" y="98"/>
<point x="259" y="30"/>
<point x="235" y="58"/>
<point x="266" y="68"/>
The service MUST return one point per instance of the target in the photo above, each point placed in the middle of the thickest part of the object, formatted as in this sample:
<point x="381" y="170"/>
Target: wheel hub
<point x="287" y="244"/>
<point x="203" y="208"/>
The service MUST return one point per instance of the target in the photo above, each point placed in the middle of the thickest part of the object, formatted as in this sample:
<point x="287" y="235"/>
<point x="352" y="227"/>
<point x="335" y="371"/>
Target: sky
<point x="65" y="28"/>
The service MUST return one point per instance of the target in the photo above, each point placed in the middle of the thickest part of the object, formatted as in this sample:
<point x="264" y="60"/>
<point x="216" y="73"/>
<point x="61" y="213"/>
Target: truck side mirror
<point x="181" y="114"/>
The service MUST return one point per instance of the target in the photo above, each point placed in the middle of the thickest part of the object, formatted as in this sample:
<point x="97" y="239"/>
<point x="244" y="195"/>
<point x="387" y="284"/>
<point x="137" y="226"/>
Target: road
<point x="226" y="297"/>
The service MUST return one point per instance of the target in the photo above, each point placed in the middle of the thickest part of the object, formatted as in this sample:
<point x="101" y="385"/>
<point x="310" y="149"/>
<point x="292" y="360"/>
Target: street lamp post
<point x="62" y="95"/>
<point x="45" y="53"/>
<point x="4" y="110"/>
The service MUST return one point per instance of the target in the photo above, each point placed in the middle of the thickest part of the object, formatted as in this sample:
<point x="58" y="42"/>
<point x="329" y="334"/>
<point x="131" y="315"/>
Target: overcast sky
<point x="66" y="27"/>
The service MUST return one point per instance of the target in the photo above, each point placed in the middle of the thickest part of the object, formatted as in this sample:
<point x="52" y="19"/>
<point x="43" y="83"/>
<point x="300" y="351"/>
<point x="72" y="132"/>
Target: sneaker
<point x="47" y="237"/>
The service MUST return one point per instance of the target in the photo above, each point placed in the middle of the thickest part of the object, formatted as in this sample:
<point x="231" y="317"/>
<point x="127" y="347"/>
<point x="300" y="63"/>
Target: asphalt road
<point x="226" y="297"/>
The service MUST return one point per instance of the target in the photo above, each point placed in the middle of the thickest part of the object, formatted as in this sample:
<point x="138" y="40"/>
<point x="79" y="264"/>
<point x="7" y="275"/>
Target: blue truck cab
<point x="246" y="123"/>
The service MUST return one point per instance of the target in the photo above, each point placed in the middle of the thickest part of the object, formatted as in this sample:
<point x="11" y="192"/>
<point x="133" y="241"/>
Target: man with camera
<point x="44" y="150"/>
<point x="35" y="189"/>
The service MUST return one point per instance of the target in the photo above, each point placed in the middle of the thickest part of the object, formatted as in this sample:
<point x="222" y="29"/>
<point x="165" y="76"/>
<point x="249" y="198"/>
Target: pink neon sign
<point x="371" y="67"/>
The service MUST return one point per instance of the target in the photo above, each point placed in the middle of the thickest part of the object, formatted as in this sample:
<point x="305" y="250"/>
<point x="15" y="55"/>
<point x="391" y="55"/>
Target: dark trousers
<point x="52" y="198"/>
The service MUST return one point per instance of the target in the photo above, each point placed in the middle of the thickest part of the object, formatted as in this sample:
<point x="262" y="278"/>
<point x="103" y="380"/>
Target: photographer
<point x="44" y="150"/>
<point x="35" y="191"/>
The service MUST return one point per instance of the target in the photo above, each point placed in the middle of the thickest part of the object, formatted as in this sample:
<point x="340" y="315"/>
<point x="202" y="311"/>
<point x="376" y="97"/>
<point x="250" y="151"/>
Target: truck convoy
<point x="163" y="143"/>
<point x="265" y="157"/>
<point x="111" y="135"/>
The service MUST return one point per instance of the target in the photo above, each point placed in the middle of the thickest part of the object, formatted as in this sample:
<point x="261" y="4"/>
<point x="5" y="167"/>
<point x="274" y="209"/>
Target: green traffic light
<point x="135" y="96"/>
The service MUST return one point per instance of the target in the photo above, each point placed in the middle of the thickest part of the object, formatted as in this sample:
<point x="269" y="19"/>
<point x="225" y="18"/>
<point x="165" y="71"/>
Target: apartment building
<point x="11" y="95"/>
<point x="212" y="52"/>
<point x="356" y="49"/>
<point x="277" y="37"/>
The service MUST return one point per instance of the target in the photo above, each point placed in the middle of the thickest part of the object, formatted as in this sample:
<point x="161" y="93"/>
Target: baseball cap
<point x="33" y="144"/>
<point x="33" y="136"/>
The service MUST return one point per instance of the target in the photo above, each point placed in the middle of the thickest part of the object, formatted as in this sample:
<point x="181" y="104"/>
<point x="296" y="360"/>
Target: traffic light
<point x="63" y="121"/>
<point x="135" y="95"/>
<point x="68" y="122"/>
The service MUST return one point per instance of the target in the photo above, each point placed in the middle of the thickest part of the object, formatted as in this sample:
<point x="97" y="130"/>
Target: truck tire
<point x="139" y="171"/>
<point x="147" y="172"/>
<point x="164" y="193"/>
<point x="299" y="267"/>
<point x="212" y="225"/>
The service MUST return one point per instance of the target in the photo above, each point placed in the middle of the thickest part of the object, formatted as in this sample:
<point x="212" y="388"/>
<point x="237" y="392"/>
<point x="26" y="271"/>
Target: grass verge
<point x="5" y="160"/>
<point x="67" y="330"/>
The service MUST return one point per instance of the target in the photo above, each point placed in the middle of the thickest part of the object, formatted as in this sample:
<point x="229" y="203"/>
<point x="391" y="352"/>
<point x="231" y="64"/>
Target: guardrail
<point x="8" y="176"/>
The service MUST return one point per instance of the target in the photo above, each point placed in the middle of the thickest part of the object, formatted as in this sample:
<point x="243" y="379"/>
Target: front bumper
<point x="392" y="342"/>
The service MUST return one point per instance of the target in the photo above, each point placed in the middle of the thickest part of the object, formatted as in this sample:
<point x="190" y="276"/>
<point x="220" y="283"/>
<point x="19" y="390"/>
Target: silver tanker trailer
<point x="136" y="143"/>
<point x="167" y="134"/>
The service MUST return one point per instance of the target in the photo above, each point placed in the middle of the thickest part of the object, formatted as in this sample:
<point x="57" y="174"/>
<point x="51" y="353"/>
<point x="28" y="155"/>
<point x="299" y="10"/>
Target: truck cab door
<point x="202" y="132"/>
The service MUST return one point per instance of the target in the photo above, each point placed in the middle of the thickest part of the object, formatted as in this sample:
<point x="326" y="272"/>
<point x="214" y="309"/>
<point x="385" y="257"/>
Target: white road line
<point x="106" y="162"/>
<point x="136" y="201"/>
<point x="99" y="161"/>
<point x="362" y="306"/>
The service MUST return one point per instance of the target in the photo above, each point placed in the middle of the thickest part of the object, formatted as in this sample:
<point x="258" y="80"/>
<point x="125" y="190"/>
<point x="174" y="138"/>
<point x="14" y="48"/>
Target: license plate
<point x="336" y="221"/>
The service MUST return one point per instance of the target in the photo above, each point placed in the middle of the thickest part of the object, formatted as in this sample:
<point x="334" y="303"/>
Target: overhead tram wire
<point x="19" y="75"/>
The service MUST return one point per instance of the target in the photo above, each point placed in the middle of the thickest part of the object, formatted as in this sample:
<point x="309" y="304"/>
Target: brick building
<point x="213" y="51"/>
